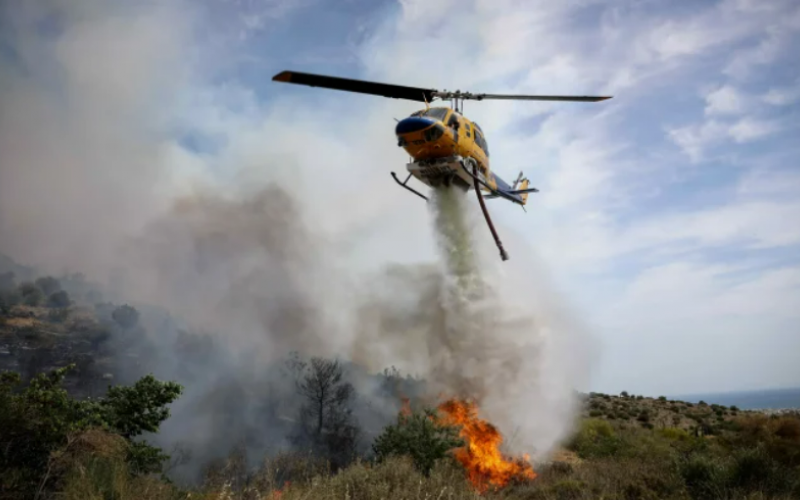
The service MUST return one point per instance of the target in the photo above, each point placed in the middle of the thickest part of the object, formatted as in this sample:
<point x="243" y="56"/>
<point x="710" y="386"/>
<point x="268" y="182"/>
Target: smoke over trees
<point x="326" y="422"/>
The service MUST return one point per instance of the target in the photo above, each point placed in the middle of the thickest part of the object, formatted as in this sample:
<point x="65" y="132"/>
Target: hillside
<point x="659" y="413"/>
<point x="623" y="447"/>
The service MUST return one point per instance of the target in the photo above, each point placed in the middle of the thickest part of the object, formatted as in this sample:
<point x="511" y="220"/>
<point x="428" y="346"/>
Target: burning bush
<point x="454" y="430"/>
<point x="481" y="457"/>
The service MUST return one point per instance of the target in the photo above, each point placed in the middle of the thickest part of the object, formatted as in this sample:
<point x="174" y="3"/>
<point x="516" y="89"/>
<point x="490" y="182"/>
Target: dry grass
<point x="394" y="479"/>
<point x="21" y="322"/>
<point x="607" y="462"/>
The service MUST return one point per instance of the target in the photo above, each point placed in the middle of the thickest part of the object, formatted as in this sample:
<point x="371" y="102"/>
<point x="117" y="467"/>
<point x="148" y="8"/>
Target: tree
<point x="48" y="285"/>
<point x="7" y="281"/>
<point x="326" y="422"/>
<point x="37" y="422"/>
<point x="419" y="436"/>
<point x="9" y="299"/>
<point x="624" y="394"/>
<point x="126" y="316"/>
<point x="31" y="294"/>
<point x="59" y="299"/>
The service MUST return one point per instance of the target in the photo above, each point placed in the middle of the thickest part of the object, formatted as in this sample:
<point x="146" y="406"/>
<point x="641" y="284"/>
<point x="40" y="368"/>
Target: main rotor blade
<point x="479" y="97"/>
<point x="360" y="86"/>
<point x="576" y="98"/>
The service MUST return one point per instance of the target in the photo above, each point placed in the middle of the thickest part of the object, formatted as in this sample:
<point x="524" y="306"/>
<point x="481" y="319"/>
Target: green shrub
<point x="705" y="477"/>
<point x="419" y="437"/>
<point x="9" y="299"/>
<point x="40" y="419"/>
<point x="595" y="438"/>
<point x="125" y="316"/>
<point x="675" y="434"/>
<point x="59" y="299"/>
<point x="48" y="285"/>
<point x="31" y="294"/>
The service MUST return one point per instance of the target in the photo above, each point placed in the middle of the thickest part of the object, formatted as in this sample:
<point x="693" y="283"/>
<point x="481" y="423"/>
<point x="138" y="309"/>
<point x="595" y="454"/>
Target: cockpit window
<point x="480" y="141"/>
<point x="437" y="113"/>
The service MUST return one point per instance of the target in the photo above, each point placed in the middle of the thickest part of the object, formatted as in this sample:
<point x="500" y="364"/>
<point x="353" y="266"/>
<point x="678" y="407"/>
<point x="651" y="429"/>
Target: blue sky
<point x="667" y="216"/>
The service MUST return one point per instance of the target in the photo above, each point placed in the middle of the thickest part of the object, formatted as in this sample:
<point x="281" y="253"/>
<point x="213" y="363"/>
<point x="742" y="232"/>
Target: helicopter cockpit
<point x="434" y="113"/>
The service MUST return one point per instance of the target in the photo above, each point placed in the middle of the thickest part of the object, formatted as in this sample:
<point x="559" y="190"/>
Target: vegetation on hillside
<point x="84" y="449"/>
<point x="67" y="432"/>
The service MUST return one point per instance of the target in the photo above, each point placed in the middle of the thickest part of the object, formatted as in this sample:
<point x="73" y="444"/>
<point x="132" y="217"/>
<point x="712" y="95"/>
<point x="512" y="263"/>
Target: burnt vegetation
<point x="87" y="410"/>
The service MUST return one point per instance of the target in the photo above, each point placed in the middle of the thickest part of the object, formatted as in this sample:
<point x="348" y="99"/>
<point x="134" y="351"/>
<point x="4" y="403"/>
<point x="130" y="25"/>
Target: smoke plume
<point x="500" y="338"/>
<point x="93" y="179"/>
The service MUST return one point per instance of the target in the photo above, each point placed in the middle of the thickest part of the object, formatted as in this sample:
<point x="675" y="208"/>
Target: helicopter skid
<point x="441" y="171"/>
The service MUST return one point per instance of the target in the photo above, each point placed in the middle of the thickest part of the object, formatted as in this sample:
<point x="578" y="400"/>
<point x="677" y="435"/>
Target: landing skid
<point x="460" y="183"/>
<point x="403" y="184"/>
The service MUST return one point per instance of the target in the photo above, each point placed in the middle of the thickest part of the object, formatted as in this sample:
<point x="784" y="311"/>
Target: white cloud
<point x="757" y="224"/>
<point x="770" y="183"/>
<point x="709" y="320"/>
<point x="782" y="96"/>
<point x="748" y="129"/>
<point x="725" y="100"/>
<point x="696" y="139"/>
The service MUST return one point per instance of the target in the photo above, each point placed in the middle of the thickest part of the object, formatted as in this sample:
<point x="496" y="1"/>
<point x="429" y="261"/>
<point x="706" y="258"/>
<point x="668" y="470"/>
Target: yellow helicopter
<point x="446" y="148"/>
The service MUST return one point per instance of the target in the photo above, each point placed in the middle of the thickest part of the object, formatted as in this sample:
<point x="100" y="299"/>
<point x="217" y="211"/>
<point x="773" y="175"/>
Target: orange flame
<point x="277" y="494"/>
<point x="405" y="410"/>
<point x="481" y="457"/>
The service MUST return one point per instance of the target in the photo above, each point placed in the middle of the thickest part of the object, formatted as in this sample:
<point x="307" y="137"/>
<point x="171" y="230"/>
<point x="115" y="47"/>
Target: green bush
<point x="595" y="438"/>
<point x="40" y="419"/>
<point x="48" y="285"/>
<point x="675" y="434"/>
<point x="704" y="476"/>
<point x="31" y="294"/>
<point x="417" y="436"/>
<point x="125" y="316"/>
<point x="59" y="299"/>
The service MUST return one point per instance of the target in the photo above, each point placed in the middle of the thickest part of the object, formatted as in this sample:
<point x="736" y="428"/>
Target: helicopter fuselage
<point x="437" y="138"/>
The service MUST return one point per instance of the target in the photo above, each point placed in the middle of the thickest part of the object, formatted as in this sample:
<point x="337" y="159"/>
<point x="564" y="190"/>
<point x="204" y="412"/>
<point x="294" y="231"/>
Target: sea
<point x="772" y="399"/>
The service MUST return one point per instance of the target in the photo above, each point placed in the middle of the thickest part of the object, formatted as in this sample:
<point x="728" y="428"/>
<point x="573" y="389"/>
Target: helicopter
<point x="445" y="147"/>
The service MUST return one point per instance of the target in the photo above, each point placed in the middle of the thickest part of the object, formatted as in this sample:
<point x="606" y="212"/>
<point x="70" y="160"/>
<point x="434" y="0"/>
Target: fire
<point x="405" y="410"/>
<point x="481" y="457"/>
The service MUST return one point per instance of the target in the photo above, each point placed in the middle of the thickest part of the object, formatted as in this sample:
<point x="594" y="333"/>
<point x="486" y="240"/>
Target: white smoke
<point x="93" y="180"/>
<point x="480" y="328"/>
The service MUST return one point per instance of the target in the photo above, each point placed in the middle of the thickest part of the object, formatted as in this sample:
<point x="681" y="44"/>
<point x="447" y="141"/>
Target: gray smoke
<point x="240" y="275"/>
<point x="498" y="335"/>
